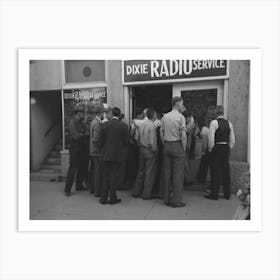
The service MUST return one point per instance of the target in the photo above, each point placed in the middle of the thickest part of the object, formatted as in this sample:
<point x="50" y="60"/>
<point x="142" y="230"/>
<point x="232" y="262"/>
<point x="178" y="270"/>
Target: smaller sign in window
<point x="83" y="98"/>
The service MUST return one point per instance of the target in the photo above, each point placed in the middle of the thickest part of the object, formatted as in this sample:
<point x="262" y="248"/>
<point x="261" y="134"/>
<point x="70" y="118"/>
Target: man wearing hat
<point x="77" y="132"/>
<point x="108" y="115"/>
<point x="95" y="128"/>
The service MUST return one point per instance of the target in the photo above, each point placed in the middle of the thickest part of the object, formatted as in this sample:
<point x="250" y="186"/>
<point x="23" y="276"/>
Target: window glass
<point x="84" y="71"/>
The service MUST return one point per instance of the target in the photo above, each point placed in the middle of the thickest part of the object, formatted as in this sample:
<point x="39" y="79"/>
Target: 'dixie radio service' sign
<point x="144" y="71"/>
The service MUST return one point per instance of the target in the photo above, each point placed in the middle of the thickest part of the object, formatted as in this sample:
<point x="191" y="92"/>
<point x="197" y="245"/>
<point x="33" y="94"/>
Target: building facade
<point x="57" y="86"/>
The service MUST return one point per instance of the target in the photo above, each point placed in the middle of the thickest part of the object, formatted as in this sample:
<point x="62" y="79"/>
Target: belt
<point x="221" y="143"/>
<point x="172" y="141"/>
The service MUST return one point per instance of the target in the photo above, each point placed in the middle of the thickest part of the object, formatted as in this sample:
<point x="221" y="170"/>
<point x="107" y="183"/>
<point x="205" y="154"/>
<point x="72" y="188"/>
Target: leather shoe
<point x="135" y="196"/>
<point x="227" y="197"/>
<point x="103" y="201"/>
<point x="179" y="204"/>
<point x="211" y="197"/>
<point x="118" y="200"/>
<point x="81" y="188"/>
<point x="67" y="194"/>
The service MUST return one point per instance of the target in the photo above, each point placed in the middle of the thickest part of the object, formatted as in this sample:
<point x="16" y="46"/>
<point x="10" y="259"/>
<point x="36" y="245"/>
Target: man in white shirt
<point x="147" y="158"/>
<point x="174" y="138"/>
<point x="221" y="140"/>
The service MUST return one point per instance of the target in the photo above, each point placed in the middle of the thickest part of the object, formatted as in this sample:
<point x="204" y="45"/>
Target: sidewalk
<point x="47" y="202"/>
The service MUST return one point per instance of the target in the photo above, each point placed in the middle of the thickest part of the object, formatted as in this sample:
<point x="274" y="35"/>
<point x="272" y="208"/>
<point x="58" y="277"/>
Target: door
<point x="199" y="98"/>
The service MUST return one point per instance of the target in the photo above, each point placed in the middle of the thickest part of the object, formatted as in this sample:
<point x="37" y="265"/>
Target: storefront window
<point x="84" y="71"/>
<point x="83" y="98"/>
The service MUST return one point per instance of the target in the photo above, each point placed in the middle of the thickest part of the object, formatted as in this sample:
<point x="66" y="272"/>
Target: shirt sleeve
<point x="153" y="138"/>
<point x="73" y="130"/>
<point x="212" y="130"/>
<point x="231" y="136"/>
<point x="162" y="129"/>
<point x="204" y="139"/>
<point x="96" y="132"/>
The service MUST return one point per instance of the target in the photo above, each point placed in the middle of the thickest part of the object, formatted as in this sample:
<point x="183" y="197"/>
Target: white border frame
<point x="25" y="224"/>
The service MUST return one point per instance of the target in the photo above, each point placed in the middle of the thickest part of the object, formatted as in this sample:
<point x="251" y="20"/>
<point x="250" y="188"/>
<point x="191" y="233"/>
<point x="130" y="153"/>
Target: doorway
<point x="156" y="96"/>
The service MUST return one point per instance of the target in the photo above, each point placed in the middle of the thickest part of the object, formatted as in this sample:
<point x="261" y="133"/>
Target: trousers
<point x="146" y="173"/>
<point x="96" y="176"/>
<point x="220" y="171"/>
<point x="173" y="167"/>
<point x="76" y="167"/>
<point x="110" y="171"/>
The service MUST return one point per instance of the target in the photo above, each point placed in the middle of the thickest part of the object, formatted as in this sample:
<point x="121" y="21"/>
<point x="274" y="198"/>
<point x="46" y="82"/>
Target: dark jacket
<point x="113" y="139"/>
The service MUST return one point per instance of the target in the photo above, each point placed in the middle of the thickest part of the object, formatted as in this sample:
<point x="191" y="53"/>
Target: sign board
<point x="157" y="71"/>
<point x="87" y="96"/>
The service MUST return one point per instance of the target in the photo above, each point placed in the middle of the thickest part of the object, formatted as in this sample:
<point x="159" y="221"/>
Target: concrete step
<point x="53" y="160"/>
<point x="58" y="148"/>
<point x="55" y="154"/>
<point x="45" y="176"/>
<point x="55" y="167"/>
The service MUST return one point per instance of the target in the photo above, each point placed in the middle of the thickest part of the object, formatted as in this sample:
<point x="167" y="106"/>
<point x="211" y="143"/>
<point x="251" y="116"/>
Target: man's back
<point x="173" y="123"/>
<point x="114" y="137"/>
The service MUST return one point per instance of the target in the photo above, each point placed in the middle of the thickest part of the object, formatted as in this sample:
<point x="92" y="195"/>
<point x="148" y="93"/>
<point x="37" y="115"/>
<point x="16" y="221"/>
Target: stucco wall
<point x="238" y="106"/>
<point x="45" y="75"/>
<point x="114" y="81"/>
<point x="44" y="113"/>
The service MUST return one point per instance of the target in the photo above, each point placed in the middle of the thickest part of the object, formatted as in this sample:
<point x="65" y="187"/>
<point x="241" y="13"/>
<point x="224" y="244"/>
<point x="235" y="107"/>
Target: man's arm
<point x="102" y="135"/>
<point x="212" y="130"/>
<point x="162" y="130"/>
<point x="73" y="130"/>
<point x="96" y="129"/>
<point x="152" y="138"/>
<point x="231" y="136"/>
<point x="184" y="133"/>
<point x="125" y="135"/>
<point x="204" y="140"/>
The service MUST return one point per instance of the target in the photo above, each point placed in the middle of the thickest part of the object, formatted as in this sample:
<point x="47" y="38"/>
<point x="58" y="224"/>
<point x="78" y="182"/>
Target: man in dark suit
<point x="113" y="139"/>
<point x="76" y="163"/>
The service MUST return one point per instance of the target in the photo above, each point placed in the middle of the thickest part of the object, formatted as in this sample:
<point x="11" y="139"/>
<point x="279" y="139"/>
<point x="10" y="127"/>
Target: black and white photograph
<point x="140" y="139"/>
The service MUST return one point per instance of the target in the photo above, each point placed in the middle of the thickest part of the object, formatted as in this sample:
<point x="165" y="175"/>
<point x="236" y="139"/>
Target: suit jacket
<point x="114" y="138"/>
<point x="95" y="131"/>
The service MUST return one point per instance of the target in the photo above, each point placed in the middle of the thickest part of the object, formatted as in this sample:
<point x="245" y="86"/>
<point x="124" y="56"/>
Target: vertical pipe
<point x="226" y="96"/>
<point x="126" y="104"/>
<point x="62" y="104"/>
<point x="63" y="120"/>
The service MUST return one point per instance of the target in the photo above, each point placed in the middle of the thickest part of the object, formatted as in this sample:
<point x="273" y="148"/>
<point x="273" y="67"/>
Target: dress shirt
<point x="212" y="130"/>
<point x="173" y="125"/>
<point x="105" y="120"/>
<point x="137" y="124"/>
<point x="148" y="135"/>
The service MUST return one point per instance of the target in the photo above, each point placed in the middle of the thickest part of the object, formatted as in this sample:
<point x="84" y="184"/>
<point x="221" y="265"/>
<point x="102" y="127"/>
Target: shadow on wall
<point x="45" y="125"/>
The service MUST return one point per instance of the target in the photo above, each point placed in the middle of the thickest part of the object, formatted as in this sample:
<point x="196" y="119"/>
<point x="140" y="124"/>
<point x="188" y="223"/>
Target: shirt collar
<point x="98" y="118"/>
<point x="220" y="117"/>
<point x="116" y="118"/>
<point x="175" y="111"/>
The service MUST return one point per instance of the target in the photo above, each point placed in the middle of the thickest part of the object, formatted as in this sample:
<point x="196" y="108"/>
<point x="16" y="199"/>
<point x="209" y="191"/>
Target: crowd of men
<point x="162" y="150"/>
